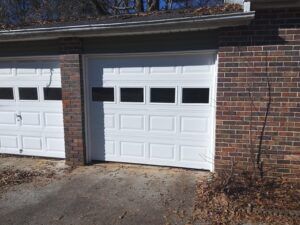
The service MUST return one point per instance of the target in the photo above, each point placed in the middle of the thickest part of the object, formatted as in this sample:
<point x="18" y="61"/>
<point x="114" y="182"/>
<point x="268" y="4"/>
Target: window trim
<point x="165" y="103"/>
<point x="14" y="95"/>
<point x="106" y="102"/>
<point x="25" y="100"/>
<point x="199" y="87"/>
<point x="135" y="103"/>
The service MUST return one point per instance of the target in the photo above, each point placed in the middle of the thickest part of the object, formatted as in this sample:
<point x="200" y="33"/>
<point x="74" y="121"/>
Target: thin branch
<point x="262" y="134"/>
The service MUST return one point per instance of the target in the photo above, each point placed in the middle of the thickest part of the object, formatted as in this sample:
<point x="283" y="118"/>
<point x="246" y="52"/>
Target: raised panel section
<point x="50" y="71"/>
<point x="32" y="143"/>
<point x="132" y="122"/>
<point x="31" y="118"/>
<point x="109" y="121"/>
<point x="163" y="70"/>
<point x="5" y="70"/>
<point x="9" y="142"/>
<point x="7" y="118"/>
<point x="54" y="119"/>
<point x="108" y="71"/>
<point x="162" y="123"/>
<point x="132" y="149"/>
<point x="193" y="154"/>
<point x="110" y="147"/>
<point x="26" y="70"/>
<point x="132" y="70"/>
<point x="196" y="69"/>
<point x="162" y="151"/>
<point x="55" y="144"/>
<point x="194" y="125"/>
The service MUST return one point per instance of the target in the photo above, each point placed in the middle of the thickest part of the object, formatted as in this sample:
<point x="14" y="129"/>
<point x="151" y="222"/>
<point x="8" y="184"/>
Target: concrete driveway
<point x="105" y="194"/>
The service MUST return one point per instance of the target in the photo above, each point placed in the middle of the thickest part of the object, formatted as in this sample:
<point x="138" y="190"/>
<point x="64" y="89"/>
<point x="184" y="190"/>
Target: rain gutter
<point x="183" y="24"/>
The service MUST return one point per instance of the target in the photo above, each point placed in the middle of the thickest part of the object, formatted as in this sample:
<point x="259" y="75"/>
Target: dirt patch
<point x="241" y="200"/>
<point x="10" y="177"/>
<point x="19" y="170"/>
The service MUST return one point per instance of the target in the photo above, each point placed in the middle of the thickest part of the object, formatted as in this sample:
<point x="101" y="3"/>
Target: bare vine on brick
<point x="256" y="157"/>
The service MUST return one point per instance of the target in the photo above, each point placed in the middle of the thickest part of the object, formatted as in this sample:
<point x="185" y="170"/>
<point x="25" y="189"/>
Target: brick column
<point x="73" y="101"/>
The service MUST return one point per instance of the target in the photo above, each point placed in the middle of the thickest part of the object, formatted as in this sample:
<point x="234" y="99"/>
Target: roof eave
<point x="194" y="23"/>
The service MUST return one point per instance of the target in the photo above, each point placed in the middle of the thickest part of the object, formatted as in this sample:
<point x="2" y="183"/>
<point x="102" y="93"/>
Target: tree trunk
<point x="154" y="5"/>
<point x="100" y="8"/>
<point x="139" y="6"/>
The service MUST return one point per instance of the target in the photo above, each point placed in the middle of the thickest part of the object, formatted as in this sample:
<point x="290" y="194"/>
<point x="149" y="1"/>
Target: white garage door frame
<point x="87" y="95"/>
<point x="38" y="58"/>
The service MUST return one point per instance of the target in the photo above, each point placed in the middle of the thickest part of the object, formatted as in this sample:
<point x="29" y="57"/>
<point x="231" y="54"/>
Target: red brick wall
<point x="269" y="46"/>
<point x="73" y="101"/>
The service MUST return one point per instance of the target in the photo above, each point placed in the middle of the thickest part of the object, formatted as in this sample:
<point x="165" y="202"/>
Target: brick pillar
<point x="73" y="101"/>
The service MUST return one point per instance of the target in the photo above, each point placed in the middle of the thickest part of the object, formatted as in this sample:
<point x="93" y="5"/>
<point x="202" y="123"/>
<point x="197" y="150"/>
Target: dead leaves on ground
<point x="10" y="177"/>
<point x="14" y="177"/>
<point x="243" y="200"/>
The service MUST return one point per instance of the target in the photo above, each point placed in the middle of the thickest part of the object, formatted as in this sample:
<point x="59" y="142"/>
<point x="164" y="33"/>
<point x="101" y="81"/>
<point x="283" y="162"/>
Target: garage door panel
<point x="193" y="154"/>
<point x="161" y="132"/>
<point x="162" y="152"/>
<point x="31" y="143"/>
<point x="53" y="119"/>
<point x="170" y="70"/>
<point x="31" y="118"/>
<point x="9" y="142"/>
<point x="27" y="69"/>
<point x="109" y="121"/>
<point x="7" y="118"/>
<point x="5" y="71"/>
<point x="193" y="125"/>
<point x="132" y="149"/>
<point x="110" y="148"/>
<point x="132" y="122"/>
<point x="162" y="123"/>
<point x="55" y="144"/>
<point x="131" y="70"/>
<point x="36" y="122"/>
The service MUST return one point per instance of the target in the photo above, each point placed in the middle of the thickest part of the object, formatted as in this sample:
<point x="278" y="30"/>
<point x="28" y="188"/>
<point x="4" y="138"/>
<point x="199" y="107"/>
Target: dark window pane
<point x="52" y="94"/>
<point x="28" y="94"/>
<point x="132" y="94"/>
<point x="103" y="94"/>
<point x="6" y="94"/>
<point x="195" y="95"/>
<point x="163" y="95"/>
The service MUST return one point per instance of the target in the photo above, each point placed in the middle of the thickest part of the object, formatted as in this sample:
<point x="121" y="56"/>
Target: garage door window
<point x="28" y="93"/>
<point x="132" y="94"/>
<point x="52" y="94"/>
<point x="195" y="95"/>
<point x="6" y="94"/>
<point x="162" y="95"/>
<point x="103" y="94"/>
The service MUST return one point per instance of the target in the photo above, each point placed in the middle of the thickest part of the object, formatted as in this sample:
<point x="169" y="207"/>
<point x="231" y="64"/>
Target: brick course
<point x="270" y="45"/>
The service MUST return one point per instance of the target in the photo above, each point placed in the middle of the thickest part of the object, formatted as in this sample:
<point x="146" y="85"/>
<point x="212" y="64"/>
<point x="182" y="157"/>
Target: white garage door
<point x="31" y="118"/>
<point x="156" y="109"/>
